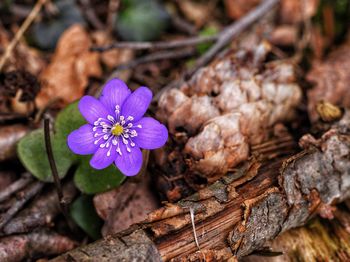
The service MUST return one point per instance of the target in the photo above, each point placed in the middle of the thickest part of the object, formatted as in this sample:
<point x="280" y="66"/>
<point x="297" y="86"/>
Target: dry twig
<point x="14" y="187"/>
<point x="33" y="14"/>
<point x="162" y="55"/>
<point x="158" y="45"/>
<point x="232" y="31"/>
<point x="91" y="16"/>
<point x="28" y="194"/>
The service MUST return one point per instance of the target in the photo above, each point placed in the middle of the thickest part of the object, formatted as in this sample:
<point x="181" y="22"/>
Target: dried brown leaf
<point x="295" y="11"/>
<point x="126" y="205"/>
<point x="66" y="77"/>
<point x="197" y="12"/>
<point x="235" y="9"/>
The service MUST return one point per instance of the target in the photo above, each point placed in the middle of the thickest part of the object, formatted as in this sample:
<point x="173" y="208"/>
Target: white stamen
<point x="130" y="118"/>
<point x="105" y="137"/>
<point x="121" y="117"/>
<point x="119" y="151"/>
<point x="130" y="125"/>
<point x="125" y="141"/>
<point x="110" y="118"/>
<point x="139" y="126"/>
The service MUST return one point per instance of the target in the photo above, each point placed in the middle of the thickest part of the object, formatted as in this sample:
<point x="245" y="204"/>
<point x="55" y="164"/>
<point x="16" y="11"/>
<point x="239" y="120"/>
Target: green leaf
<point x="92" y="181"/>
<point x="84" y="214"/>
<point x="142" y="21"/>
<point x="206" y="31"/>
<point x="68" y="120"/>
<point x="32" y="153"/>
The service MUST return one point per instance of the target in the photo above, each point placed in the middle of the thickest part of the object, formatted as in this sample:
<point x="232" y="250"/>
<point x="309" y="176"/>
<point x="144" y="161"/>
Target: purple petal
<point x="114" y="93"/>
<point x="81" y="141"/>
<point x="101" y="160"/>
<point x="152" y="135"/>
<point x="137" y="103"/>
<point x="129" y="163"/>
<point x="91" y="109"/>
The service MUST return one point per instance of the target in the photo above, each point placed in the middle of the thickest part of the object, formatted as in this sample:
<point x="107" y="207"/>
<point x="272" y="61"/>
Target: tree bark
<point x="319" y="240"/>
<point x="236" y="215"/>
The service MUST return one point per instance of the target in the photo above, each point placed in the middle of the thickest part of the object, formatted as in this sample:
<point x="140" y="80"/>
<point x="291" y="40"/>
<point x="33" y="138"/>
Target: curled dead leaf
<point x="66" y="77"/>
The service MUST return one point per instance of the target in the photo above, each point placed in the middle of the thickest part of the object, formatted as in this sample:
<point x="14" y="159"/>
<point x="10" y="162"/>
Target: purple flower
<point x="116" y="128"/>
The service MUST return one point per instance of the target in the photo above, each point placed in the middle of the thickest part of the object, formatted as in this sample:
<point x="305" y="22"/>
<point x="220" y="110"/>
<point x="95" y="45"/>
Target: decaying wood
<point x="41" y="211"/>
<point x="319" y="240"/>
<point x="24" y="196"/>
<point x="255" y="203"/>
<point x="18" y="247"/>
<point x="14" y="187"/>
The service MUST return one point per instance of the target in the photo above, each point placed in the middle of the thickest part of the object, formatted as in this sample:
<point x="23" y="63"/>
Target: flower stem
<point x="62" y="202"/>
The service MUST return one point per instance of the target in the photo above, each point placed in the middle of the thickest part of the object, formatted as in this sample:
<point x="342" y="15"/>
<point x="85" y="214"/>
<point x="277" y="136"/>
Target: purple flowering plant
<point x="117" y="129"/>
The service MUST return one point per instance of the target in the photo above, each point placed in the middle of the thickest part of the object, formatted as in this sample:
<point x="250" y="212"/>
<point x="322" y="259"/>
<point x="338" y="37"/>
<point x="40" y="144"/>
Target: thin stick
<point x="224" y="38"/>
<point x="91" y="16"/>
<point x="14" y="187"/>
<point x="28" y="194"/>
<point x="162" y="55"/>
<point x="113" y="7"/>
<point x="158" y="45"/>
<point x="234" y="30"/>
<point x="33" y="14"/>
<point x="54" y="171"/>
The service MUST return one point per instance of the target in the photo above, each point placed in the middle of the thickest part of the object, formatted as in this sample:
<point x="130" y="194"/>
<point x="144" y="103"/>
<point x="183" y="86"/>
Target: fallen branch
<point x="14" y="187"/>
<point x="20" y="247"/>
<point x="319" y="240"/>
<point x="41" y="211"/>
<point x="25" y="196"/>
<point x="242" y="210"/>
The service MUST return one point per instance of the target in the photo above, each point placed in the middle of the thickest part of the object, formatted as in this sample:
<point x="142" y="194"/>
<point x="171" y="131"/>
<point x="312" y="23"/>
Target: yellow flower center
<point x="117" y="130"/>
